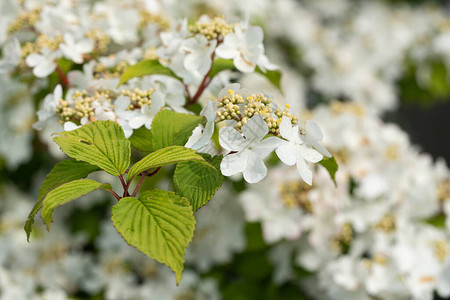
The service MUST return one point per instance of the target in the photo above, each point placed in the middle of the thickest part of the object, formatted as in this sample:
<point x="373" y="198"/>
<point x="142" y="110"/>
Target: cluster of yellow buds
<point x="295" y="194"/>
<point x="386" y="224"/>
<point x="80" y="106"/>
<point x="229" y="106"/>
<point x="343" y="239"/>
<point x="25" y="19"/>
<point x="101" y="71"/>
<point x="258" y="104"/>
<point x="138" y="97"/>
<point x="214" y="29"/>
<point x="444" y="191"/>
<point x="441" y="249"/>
<point x="101" y="40"/>
<point x="42" y="41"/>
<point x="146" y="18"/>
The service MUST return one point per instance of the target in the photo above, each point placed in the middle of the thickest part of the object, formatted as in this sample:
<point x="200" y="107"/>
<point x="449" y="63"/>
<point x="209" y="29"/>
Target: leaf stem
<point x="125" y="186"/>
<point x="65" y="82"/>
<point x="114" y="194"/>
<point x="141" y="180"/>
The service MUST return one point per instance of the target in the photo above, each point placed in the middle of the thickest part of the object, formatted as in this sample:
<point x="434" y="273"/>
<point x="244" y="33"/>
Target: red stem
<point x="114" y="194"/>
<point x="65" y="82"/>
<point x="141" y="180"/>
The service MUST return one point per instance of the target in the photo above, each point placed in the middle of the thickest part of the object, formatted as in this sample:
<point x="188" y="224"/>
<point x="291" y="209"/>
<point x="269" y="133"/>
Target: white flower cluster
<point x="372" y="235"/>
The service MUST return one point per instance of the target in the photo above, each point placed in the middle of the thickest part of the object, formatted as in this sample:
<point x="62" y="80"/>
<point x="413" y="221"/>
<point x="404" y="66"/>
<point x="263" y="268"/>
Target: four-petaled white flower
<point x="74" y="49"/>
<point x="250" y="149"/>
<point x="198" y="57"/>
<point x="295" y="151"/>
<point x="43" y="64"/>
<point x="245" y="47"/>
<point x="48" y="109"/>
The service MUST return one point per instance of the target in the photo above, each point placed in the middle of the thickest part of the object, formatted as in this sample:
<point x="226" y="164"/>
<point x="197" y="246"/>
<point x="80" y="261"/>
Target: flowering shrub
<point x="195" y="129"/>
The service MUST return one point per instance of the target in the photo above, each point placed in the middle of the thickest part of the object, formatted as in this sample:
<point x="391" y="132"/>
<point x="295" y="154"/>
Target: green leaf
<point x="66" y="193"/>
<point x="146" y="67"/>
<point x="101" y="143"/>
<point x="331" y="165"/>
<point x="160" y="224"/>
<point x="64" y="171"/>
<point x="273" y="76"/>
<point x="142" y="139"/>
<point x="221" y="64"/>
<point x="164" y="157"/>
<point x="437" y="221"/>
<point x="173" y="128"/>
<point x="198" y="182"/>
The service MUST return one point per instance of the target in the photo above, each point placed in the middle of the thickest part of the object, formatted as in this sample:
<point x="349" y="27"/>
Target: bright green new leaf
<point x="437" y="221"/>
<point x="273" y="76"/>
<point x="65" y="193"/>
<point x="221" y="64"/>
<point x="142" y="139"/>
<point x="101" y="143"/>
<point x="64" y="171"/>
<point x="198" y="182"/>
<point x="173" y="128"/>
<point x="331" y="165"/>
<point x="160" y="224"/>
<point x="164" y="157"/>
<point x="146" y="67"/>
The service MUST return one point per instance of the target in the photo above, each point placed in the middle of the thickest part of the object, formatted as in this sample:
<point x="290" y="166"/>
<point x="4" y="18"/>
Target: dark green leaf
<point x="146" y="67"/>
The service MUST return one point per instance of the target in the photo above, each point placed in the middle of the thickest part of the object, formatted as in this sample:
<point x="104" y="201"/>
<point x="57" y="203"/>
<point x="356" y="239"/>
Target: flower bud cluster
<point x="138" y="97"/>
<point x="42" y="41"/>
<point x="146" y="18"/>
<point x="101" y="40"/>
<point x="25" y="19"/>
<point x="83" y="105"/>
<point x="343" y="239"/>
<point x="254" y="105"/>
<point x="80" y="106"/>
<point x="214" y="29"/>
<point x="102" y="71"/>
<point x="295" y="194"/>
<point x="229" y="106"/>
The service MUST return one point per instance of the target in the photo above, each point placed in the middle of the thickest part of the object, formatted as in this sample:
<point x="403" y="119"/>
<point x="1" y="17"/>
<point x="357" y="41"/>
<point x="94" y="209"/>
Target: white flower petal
<point x="309" y="154"/>
<point x="266" y="146"/>
<point x="286" y="153"/>
<point x="304" y="171"/>
<point x="234" y="163"/>
<point x="205" y="138"/>
<point x="224" y="51"/>
<point x="254" y="35"/>
<point x="313" y="130"/>
<point x="255" y="170"/>
<point x="243" y="65"/>
<point x="286" y="128"/>
<point x="255" y="129"/>
<point x="231" y="139"/>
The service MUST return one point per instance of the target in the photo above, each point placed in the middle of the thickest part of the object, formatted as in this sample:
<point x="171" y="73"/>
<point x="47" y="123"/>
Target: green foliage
<point x="101" y="143"/>
<point x="146" y="67"/>
<point x="273" y="76"/>
<point x="331" y="165"/>
<point x="65" y="193"/>
<point x="435" y="88"/>
<point x="160" y="224"/>
<point x="172" y="128"/>
<point x="65" y="171"/>
<point x="164" y="157"/>
<point x="221" y="64"/>
<point x="197" y="181"/>
<point x="142" y="139"/>
<point x="437" y="221"/>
